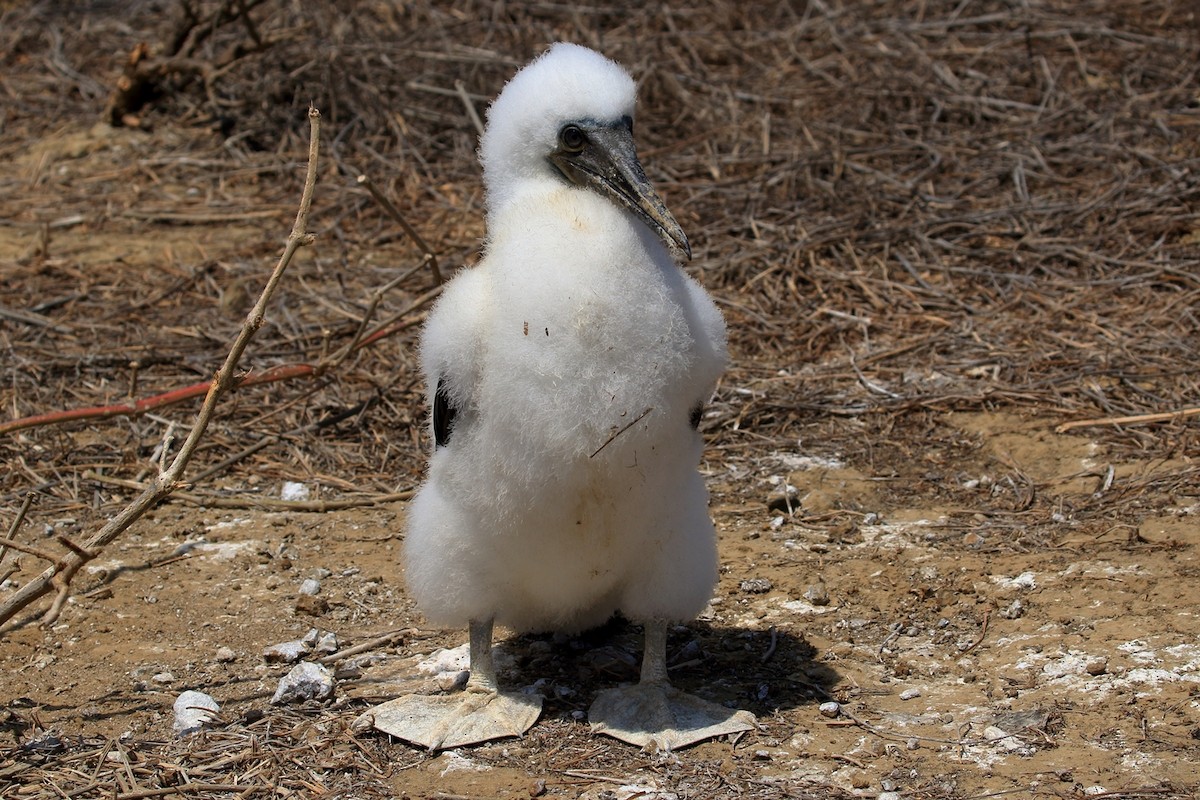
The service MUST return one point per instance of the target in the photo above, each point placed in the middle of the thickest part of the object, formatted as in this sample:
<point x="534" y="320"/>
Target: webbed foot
<point x="658" y="716"/>
<point x="439" y="722"/>
<point x="479" y="713"/>
<point x="654" y="714"/>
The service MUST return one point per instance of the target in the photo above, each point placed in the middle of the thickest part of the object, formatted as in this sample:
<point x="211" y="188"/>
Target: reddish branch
<point x="283" y="372"/>
<point x="280" y="373"/>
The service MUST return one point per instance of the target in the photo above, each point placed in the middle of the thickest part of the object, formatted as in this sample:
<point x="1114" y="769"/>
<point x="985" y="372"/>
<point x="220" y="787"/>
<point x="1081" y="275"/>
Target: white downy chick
<point x="567" y="372"/>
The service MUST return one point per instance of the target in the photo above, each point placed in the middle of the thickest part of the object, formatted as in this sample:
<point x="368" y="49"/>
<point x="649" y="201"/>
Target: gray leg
<point x="480" y="713"/>
<point x="657" y="716"/>
<point x="483" y="668"/>
<point x="654" y="653"/>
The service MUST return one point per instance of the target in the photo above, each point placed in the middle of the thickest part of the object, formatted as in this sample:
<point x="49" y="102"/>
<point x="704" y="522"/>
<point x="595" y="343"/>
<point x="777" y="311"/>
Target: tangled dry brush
<point x="903" y="207"/>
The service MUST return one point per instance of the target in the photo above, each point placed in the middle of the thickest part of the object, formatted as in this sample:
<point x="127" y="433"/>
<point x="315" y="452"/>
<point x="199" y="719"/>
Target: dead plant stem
<point x="58" y="575"/>
<point x="1165" y="416"/>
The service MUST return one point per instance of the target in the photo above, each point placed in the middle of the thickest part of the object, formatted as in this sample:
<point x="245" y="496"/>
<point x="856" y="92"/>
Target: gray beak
<point x="604" y="158"/>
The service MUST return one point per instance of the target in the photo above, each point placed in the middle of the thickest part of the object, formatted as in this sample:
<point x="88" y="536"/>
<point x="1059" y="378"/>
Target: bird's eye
<point x="572" y="138"/>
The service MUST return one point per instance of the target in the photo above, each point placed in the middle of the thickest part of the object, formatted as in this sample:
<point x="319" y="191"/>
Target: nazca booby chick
<point x="566" y="373"/>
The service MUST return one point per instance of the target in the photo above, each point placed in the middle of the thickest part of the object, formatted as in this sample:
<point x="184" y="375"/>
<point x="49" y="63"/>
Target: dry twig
<point x="1133" y="419"/>
<point x="57" y="577"/>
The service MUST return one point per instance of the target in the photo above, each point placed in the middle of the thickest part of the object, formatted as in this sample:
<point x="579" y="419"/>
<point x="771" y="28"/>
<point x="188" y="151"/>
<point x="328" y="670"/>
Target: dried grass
<point x="904" y="208"/>
<point x="288" y="753"/>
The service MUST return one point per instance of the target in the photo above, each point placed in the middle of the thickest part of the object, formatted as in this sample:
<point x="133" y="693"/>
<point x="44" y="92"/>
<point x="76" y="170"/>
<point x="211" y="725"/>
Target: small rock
<point x="294" y="490"/>
<point x="163" y="677"/>
<point x="817" y="594"/>
<point x="306" y="681"/>
<point x="888" y="796"/>
<point x="193" y="710"/>
<point x="1014" y="611"/>
<point x="762" y="755"/>
<point x="1096" y="666"/>
<point x="756" y="586"/>
<point x="286" y="652"/>
<point x="909" y="694"/>
<point x="1026" y="580"/>
<point x="224" y="655"/>
<point x="972" y="540"/>
<point x="912" y="744"/>
<point x="1002" y="738"/>
<point x="689" y="652"/>
<point x="446" y="681"/>
<point x="310" y="586"/>
<point x="830" y="709"/>
<point x="537" y="788"/>
<point x="326" y="644"/>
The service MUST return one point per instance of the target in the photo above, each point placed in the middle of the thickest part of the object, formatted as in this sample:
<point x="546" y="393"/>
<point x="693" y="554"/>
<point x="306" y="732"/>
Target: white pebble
<point x="830" y="709"/>
<point x="909" y="694"/>
<point x="306" y="681"/>
<point x="286" y="652"/>
<point x="1014" y="611"/>
<point x="224" y="655"/>
<point x="451" y="680"/>
<point x="310" y="586"/>
<point x="293" y="490"/>
<point x="193" y="710"/>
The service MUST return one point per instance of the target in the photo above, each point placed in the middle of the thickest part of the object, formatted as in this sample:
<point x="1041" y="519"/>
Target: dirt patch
<point x="937" y="234"/>
<point x="961" y="667"/>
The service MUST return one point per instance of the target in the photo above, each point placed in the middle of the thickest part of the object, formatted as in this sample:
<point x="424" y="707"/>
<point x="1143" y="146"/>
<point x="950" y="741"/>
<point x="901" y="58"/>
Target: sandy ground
<point x="961" y="668"/>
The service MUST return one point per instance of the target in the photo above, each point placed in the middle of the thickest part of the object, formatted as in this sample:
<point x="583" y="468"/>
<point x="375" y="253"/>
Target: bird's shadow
<point x="762" y="671"/>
